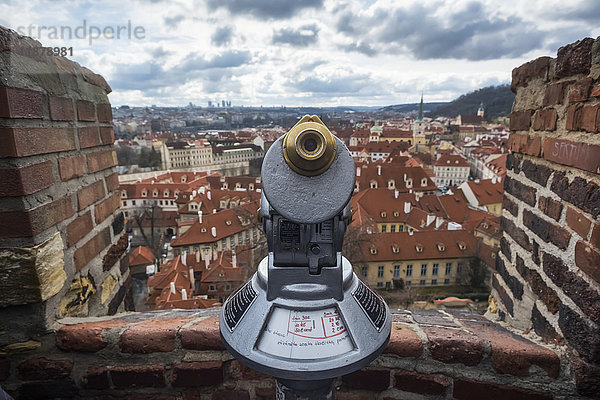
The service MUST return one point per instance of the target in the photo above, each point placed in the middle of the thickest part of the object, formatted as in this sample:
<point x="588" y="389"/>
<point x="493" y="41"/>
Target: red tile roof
<point x="451" y="160"/>
<point x="141" y="256"/>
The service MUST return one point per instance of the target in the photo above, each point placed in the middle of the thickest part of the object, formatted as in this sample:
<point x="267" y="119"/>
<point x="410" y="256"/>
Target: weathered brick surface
<point x="21" y="142"/>
<point x="545" y="120"/>
<point x="580" y="90"/>
<point x="86" y="110"/>
<point x="516" y="233"/>
<point x="536" y="69"/>
<point x="538" y="286"/>
<point x="106" y="207"/>
<point x="583" y="194"/>
<point x="432" y="384"/>
<point x="41" y="368"/>
<point x="196" y="374"/>
<point x="107" y="135"/>
<point x="525" y="144"/>
<point x="84" y="254"/>
<point x="33" y="222"/>
<point x="587" y="378"/>
<point x="515" y="286"/>
<point x="520" y="120"/>
<point x="573" y="121"/>
<point x="239" y="371"/>
<point x="101" y="160"/>
<point x="85" y="338"/>
<point x="520" y="190"/>
<point x="589" y="116"/>
<point x="580" y="334"/>
<point x="138" y="376"/>
<point x="536" y="172"/>
<point x="115" y="252"/>
<point x="20" y="103"/>
<point x="203" y="335"/>
<point x="404" y="342"/>
<point x="61" y="109"/>
<point x="377" y="379"/>
<point x="547" y="231"/>
<point x="78" y="228"/>
<point x="554" y="94"/>
<point x="96" y="377"/>
<point x="71" y="167"/>
<point x="104" y="112"/>
<point x="25" y="180"/>
<point x="473" y="390"/>
<point x="550" y="207"/>
<point x="588" y="260"/>
<point x="578" y="222"/>
<point x="151" y="336"/>
<point x="510" y="206"/>
<point x="586" y="297"/>
<point x="542" y="327"/>
<point x="506" y="299"/>
<point x="112" y="182"/>
<point x="89" y="136"/>
<point x="454" y="346"/>
<point x="90" y="194"/>
<point x="575" y="58"/>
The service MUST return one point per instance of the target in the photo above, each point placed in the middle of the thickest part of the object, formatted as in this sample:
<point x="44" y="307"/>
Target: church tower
<point x="480" y="110"/>
<point x="419" y="126"/>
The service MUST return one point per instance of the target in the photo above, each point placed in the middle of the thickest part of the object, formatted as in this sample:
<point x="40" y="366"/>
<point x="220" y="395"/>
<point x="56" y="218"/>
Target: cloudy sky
<point x="302" y="52"/>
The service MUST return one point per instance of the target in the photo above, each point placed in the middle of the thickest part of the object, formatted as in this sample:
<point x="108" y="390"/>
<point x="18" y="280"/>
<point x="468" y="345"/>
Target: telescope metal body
<point x="304" y="317"/>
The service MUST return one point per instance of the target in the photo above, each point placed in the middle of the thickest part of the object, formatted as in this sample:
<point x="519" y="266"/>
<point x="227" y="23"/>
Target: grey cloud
<point x="172" y="22"/>
<point x="159" y="53"/>
<point x="265" y="8"/>
<point x="222" y="36"/>
<point x="353" y="85"/>
<point x="360" y="47"/>
<point x="301" y="37"/>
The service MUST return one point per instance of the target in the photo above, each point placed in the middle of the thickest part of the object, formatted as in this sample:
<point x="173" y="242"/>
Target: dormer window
<point x="184" y="179"/>
<point x="203" y="230"/>
<point x="144" y="193"/>
<point x="166" y="193"/>
<point x="155" y="193"/>
<point x="424" y="182"/>
<point x="409" y="182"/>
<point x="391" y="184"/>
<point x="383" y="214"/>
<point x="124" y="194"/>
<point x="419" y="248"/>
<point x="373" y="250"/>
<point x="396" y="214"/>
<point x="373" y="184"/>
<point x="176" y="193"/>
<point x="395" y="248"/>
<point x="228" y="222"/>
<point x="225" y="186"/>
<point x="462" y="245"/>
<point x="441" y="247"/>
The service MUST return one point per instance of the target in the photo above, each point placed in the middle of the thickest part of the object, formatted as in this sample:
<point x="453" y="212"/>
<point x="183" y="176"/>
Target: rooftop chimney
<point x="201" y="189"/>
<point x="172" y="285"/>
<point x="183" y="294"/>
<point x="438" y="222"/>
<point x="430" y="218"/>
<point x="379" y="170"/>
<point x="357" y="171"/>
<point x="410" y="232"/>
<point x="207" y="261"/>
<point x="184" y="258"/>
<point x="234" y="260"/>
<point x="407" y="207"/>
<point x="208" y="195"/>
<point x="213" y="230"/>
<point x="197" y="257"/>
<point x="214" y="210"/>
<point x="199" y="216"/>
<point x="396" y="192"/>
<point x="192" y="278"/>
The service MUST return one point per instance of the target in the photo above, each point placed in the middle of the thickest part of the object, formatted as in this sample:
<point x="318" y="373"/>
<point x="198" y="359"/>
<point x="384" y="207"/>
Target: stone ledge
<point x="431" y="352"/>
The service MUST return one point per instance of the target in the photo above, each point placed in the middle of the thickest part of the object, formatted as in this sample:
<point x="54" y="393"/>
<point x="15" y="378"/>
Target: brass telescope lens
<point x="309" y="148"/>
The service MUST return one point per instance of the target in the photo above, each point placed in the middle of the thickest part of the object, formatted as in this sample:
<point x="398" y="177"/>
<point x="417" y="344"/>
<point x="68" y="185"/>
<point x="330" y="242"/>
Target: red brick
<point x="588" y="118"/>
<point x="574" y="58"/>
<point x="580" y="90"/>
<point x="588" y="260"/>
<point x="112" y="182"/>
<point x="115" y="253"/>
<point x="32" y="222"/>
<point x="203" y="335"/>
<point x="550" y="207"/>
<point x="86" y="110"/>
<point x="42" y="368"/>
<point x="101" y="160"/>
<point x="587" y="378"/>
<point x="91" y="249"/>
<point x="573" y="122"/>
<point x="90" y="194"/>
<point x="61" y="109"/>
<point x="520" y="120"/>
<point x="85" y="338"/>
<point x="89" y="136"/>
<point x="21" y="142"/>
<point x="138" y="376"/>
<point x="20" y="103"/>
<point x="523" y="143"/>
<point x="554" y="94"/>
<point x="107" y="135"/>
<point x="197" y="374"/>
<point x="575" y="154"/>
<point x="95" y="79"/>
<point x="512" y="354"/>
<point x="25" y="180"/>
<point x="547" y="231"/>
<point x="433" y="384"/>
<point x="536" y="69"/>
<point x="240" y="372"/>
<point x="578" y="222"/>
<point x="454" y="346"/>
<point x="106" y="208"/>
<point x="376" y="379"/>
<point x="78" y="228"/>
<point x="104" y="112"/>
<point x="473" y="390"/>
<point x="96" y="377"/>
<point x="404" y="342"/>
<point x="71" y="167"/>
<point x="151" y="336"/>
<point x="228" y="394"/>
<point x="595" y="91"/>
<point x="545" y="120"/>
<point x="595" y="239"/>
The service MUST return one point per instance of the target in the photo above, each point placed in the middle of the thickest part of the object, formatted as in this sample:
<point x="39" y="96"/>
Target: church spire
<point x="420" y="117"/>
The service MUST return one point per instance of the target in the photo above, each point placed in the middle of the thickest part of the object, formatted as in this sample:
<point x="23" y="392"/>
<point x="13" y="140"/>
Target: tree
<point x="126" y="155"/>
<point x="477" y="273"/>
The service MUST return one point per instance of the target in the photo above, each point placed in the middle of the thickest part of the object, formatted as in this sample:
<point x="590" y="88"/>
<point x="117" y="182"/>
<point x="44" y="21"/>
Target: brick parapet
<point x="179" y="353"/>
<point x="55" y="126"/>
<point x="548" y="273"/>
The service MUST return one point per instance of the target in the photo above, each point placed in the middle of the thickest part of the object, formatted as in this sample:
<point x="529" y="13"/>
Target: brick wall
<point x="178" y="354"/>
<point x="548" y="272"/>
<point x="61" y="234"/>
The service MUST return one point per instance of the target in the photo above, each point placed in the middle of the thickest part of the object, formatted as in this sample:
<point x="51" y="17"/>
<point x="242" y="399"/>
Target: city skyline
<point x="301" y="53"/>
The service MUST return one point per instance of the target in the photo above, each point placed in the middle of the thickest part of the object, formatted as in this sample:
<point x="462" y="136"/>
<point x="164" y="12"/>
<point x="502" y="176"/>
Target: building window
<point x="407" y="283"/>
<point x="423" y="269"/>
<point x="240" y="239"/>
<point x="231" y="241"/>
<point x="380" y="271"/>
<point x="211" y="288"/>
<point x="392" y="228"/>
<point x="409" y="270"/>
<point x="446" y="281"/>
<point x="379" y="284"/>
<point x="435" y="269"/>
<point x="434" y="281"/>
<point x="448" y="268"/>
<point x="227" y="287"/>
<point x="422" y="282"/>
<point x="383" y="228"/>
<point x="396" y="271"/>
<point x="223" y="243"/>
<point x="364" y="271"/>
<point x="459" y="267"/>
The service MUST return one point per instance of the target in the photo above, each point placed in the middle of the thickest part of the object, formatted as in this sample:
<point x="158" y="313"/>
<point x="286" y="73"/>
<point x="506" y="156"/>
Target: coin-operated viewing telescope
<point x="304" y="317"/>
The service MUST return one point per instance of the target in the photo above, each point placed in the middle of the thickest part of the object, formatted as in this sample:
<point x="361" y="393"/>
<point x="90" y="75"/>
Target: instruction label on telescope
<point x="305" y="335"/>
<point x="371" y="304"/>
<point x="236" y="306"/>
